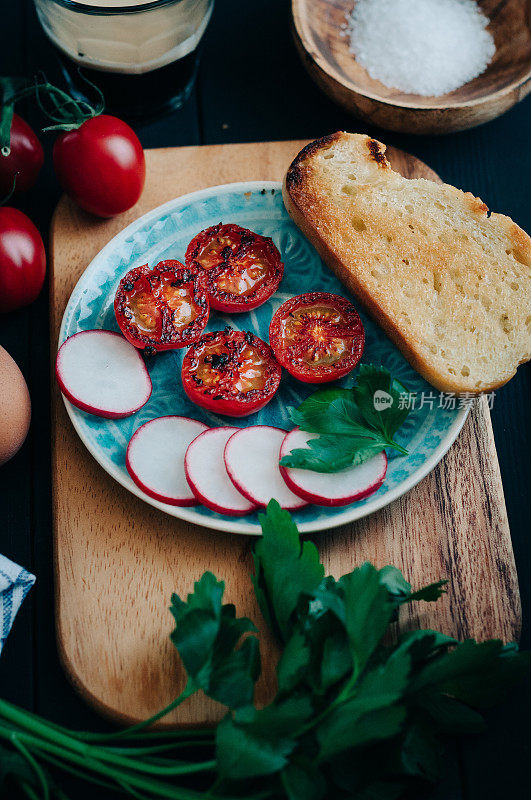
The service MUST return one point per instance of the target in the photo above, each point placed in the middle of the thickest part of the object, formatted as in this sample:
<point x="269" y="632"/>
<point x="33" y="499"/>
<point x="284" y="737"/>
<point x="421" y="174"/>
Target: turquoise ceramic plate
<point x="164" y="233"/>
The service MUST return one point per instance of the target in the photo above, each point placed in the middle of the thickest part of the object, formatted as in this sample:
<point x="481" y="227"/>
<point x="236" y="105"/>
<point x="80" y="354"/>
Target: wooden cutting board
<point x="118" y="559"/>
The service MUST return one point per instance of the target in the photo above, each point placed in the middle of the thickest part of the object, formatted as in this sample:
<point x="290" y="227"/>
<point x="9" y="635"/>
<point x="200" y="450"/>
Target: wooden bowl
<point x="317" y="28"/>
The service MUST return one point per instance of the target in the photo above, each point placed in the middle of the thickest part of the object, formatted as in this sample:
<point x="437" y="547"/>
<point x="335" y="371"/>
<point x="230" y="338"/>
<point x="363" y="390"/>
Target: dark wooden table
<point x="252" y="87"/>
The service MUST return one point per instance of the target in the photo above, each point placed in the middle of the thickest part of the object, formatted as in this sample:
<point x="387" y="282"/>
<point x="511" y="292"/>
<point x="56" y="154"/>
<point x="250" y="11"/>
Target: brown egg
<point x="15" y="407"/>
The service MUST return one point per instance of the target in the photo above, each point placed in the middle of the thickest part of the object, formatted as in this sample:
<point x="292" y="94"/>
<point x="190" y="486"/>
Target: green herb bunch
<point x="355" y="716"/>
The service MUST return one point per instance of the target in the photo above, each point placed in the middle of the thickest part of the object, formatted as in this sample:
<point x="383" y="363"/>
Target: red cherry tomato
<point x="244" y="268"/>
<point x="101" y="165"/>
<point x="24" y="160"/>
<point x="22" y="260"/>
<point x="317" y="337"/>
<point x="164" y="307"/>
<point x="230" y="372"/>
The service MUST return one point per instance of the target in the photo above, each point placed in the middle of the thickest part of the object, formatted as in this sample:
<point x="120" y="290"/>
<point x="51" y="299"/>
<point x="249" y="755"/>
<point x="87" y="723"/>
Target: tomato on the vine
<point x="22" y="260"/>
<point x="244" y="269"/>
<point x="162" y="308"/>
<point x="230" y="372"/>
<point x="20" y="168"/>
<point x="101" y="165"/>
<point x="317" y="337"/>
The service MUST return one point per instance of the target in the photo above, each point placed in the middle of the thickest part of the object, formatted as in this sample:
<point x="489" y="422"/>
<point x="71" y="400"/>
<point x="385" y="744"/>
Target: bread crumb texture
<point x="447" y="280"/>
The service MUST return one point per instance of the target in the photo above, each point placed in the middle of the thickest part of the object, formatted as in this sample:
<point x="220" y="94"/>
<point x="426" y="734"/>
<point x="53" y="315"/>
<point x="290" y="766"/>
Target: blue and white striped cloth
<point x="15" y="583"/>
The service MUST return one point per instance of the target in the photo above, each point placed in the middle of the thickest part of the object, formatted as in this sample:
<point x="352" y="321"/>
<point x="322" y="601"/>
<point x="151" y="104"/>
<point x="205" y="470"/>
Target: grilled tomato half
<point x="244" y="269"/>
<point x="230" y="372"/>
<point x="317" y="337"/>
<point x="163" y="307"/>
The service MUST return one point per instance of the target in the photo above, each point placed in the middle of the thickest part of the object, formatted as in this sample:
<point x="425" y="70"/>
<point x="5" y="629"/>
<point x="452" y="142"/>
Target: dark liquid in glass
<point x="134" y="96"/>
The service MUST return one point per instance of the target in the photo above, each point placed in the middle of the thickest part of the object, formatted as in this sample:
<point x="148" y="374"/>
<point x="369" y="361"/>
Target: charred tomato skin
<point x="226" y="350"/>
<point x="149" y="284"/>
<point x="235" y="257"/>
<point x="291" y="354"/>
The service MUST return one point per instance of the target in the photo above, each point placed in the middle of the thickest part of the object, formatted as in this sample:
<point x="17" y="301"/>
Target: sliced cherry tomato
<point x="244" y="268"/>
<point x="162" y="308"/>
<point x="230" y="372"/>
<point x="24" y="161"/>
<point x="317" y="337"/>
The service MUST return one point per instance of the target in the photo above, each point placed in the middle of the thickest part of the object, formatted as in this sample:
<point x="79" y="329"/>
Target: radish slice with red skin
<point x="207" y="476"/>
<point x="101" y="373"/>
<point x="336" y="488"/>
<point x="251" y="458"/>
<point x="155" y="458"/>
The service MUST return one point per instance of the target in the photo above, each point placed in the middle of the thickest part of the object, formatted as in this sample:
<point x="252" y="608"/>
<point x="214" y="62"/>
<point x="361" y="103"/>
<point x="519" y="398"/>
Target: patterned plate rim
<point x="233" y="525"/>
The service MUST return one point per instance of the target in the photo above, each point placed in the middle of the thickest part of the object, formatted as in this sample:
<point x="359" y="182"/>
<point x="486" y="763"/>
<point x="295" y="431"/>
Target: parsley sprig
<point x="353" y="424"/>
<point x="356" y="715"/>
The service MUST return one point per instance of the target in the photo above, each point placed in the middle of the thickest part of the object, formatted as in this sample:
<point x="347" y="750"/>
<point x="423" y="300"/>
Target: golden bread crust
<point x="448" y="283"/>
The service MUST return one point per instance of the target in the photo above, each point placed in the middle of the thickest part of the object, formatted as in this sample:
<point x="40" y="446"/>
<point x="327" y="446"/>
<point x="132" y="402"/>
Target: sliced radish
<point x="155" y="458"/>
<point x="251" y="459"/>
<point x="331" y="489"/>
<point x="207" y="476"/>
<point x="100" y="372"/>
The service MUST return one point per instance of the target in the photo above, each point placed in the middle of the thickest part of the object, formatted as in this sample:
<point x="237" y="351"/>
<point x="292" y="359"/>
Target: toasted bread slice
<point x="447" y="282"/>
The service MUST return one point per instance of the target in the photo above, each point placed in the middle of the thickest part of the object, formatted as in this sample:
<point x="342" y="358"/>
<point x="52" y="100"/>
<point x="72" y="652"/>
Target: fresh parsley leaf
<point x="329" y="411"/>
<point x="302" y="780"/>
<point x="421" y="751"/>
<point x="258" y="742"/>
<point x="294" y="662"/>
<point x="352" y="426"/>
<point x="368" y="612"/>
<point x="451" y="670"/>
<point x="374" y="383"/>
<point x="206" y="636"/>
<point x="333" y="453"/>
<point x="498" y="667"/>
<point x="449" y="714"/>
<point x="240" y="754"/>
<point x="285" y="568"/>
<point x="385" y="684"/>
<point x="317" y="655"/>
<point x="423" y="644"/>
<point x="344" y="728"/>
<point x="400" y="589"/>
<point x="336" y="659"/>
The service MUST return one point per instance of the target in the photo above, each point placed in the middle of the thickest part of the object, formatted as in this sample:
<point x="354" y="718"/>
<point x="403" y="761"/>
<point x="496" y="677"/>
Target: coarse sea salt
<point x="426" y="47"/>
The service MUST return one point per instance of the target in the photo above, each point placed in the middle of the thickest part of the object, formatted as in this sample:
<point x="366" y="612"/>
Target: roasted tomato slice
<point x="317" y="337"/>
<point x="230" y="372"/>
<point x="244" y="268"/>
<point x="164" y="307"/>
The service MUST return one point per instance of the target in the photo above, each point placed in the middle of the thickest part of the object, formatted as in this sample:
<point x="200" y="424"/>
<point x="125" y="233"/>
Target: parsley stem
<point x="87" y="777"/>
<point x="123" y="772"/>
<point x="344" y="696"/>
<point x="35" y="726"/>
<point x="398" y="447"/>
<point x="171" y="736"/>
<point x="35" y="766"/>
<point x="29" y="791"/>
<point x="161" y="748"/>
<point x="187" y="692"/>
